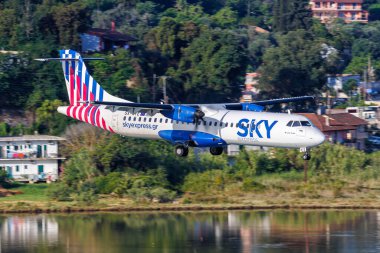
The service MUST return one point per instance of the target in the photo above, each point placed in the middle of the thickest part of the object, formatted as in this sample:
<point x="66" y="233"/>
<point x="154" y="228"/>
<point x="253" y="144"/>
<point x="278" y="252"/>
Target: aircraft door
<point x="114" y="121"/>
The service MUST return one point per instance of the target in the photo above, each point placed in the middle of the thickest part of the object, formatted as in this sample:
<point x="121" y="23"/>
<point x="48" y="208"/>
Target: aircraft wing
<point x="240" y="106"/>
<point x="229" y="106"/>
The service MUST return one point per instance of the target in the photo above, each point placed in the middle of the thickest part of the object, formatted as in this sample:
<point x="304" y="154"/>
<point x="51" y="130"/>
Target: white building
<point x="336" y="82"/>
<point x="30" y="157"/>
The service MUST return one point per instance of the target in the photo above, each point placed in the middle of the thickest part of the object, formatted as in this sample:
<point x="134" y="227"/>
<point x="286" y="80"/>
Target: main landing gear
<point x="306" y="156"/>
<point x="181" y="150"/>
<point x="216" y="150"/>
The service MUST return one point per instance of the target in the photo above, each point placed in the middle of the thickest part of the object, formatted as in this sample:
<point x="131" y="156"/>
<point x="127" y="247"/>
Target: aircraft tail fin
<point x="81" y="86"/>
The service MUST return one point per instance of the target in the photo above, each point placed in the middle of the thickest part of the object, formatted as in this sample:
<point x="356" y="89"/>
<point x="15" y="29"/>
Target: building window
<point x="17" y="168"/>
<point x="353" y="16"/>
<point x="340" y="6"/>
<point x="317" y="5"/>
<point x="25" y="167"/>
<point x="354" y="5"/>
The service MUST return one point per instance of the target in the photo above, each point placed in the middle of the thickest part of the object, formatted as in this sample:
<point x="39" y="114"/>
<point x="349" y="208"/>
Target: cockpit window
<point x="289" y="123"/>
<point x="305" y="123"/>
<point x="296" y="124"/>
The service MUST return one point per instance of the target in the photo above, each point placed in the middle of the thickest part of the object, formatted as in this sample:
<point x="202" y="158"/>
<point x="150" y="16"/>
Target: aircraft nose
<point x="319" y="138"/>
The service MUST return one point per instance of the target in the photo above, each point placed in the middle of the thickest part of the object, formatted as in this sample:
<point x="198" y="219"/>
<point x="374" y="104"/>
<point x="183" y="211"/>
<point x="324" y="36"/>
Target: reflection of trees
<point x="201" y="231"/>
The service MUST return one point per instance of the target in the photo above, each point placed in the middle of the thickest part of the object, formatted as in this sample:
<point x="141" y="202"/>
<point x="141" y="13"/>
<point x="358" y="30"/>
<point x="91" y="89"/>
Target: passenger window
<point x="171" y="121"/>
<point x="160" y="120"/>
<point x="166" y="120"/>
<point x="221" y="124"/>
<point x="215" y="123"/>
<point x="176" y="121"/>
<point x="144" y="119"/>
<point x="139" y="118"/>
<point x="210" y="123"/>
<point x="155" y="120"/>
<point x="289" y="123"/>
<point x="134" y="118"/>
<point x="305" y="123"/>
<point x="199" y="122"/>
<point x="226" y="125"/>
<point x="204" y="123"/>
<point x="129" y="118"/>
<point x="150" y="119"/>
<point x="296" y="124"/>
<point x="232" y="124"/>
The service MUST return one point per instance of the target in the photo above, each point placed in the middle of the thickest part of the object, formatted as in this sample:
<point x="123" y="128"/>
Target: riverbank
<point x="72" y="207"/>
<point x="33" y="198"/>
<point x="35" y="201"/>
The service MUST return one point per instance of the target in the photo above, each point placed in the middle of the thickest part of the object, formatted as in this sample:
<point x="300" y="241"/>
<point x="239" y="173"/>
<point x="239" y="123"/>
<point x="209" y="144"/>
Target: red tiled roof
<point x="340" y="1"/>
<point x="110" y="35"/>
<point x="335" y="122"/>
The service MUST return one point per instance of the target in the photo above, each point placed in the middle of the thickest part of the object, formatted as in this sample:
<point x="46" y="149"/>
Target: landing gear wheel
<point x="216" y="150"/>
<point x="181" y="150"/>
<point x="306" y="156"/>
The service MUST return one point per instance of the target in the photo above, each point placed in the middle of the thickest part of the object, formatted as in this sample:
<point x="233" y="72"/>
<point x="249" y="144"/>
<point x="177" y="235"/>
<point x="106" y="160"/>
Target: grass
<point x="30" y="192"/>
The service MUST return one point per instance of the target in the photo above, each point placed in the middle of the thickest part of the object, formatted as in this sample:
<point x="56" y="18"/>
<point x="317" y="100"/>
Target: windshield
<point x="305" y="123"/>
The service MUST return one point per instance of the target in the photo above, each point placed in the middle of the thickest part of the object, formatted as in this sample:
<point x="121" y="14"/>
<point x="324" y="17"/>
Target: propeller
<point x="198" y="115"/>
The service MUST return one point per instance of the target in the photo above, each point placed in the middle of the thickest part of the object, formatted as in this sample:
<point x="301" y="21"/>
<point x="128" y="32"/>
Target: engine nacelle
<point x="181" y="113"/>
<point x="252" y="107"/>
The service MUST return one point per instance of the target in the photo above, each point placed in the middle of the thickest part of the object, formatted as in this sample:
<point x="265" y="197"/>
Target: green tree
<point x="70" y="20"/>
<point x="225" y="18"/>
<point x="213" y="64"/>
<point x="290" y="15"/>
<point x="294" y="68"/>
<point x="49" y="119"/>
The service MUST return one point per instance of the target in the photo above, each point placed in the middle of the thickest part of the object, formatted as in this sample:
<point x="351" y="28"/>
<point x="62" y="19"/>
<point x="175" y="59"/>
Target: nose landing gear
<point x="306" y="156"/>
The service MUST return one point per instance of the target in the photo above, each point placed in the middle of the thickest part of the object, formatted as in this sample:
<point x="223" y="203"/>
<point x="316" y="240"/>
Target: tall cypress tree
<point x="290" y="15"/>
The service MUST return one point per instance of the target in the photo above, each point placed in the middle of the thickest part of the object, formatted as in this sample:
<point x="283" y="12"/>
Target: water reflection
<point x="236" y="231"/>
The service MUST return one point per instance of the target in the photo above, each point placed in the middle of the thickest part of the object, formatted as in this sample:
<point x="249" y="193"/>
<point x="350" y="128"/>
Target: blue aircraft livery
<point x="253" y="128"/>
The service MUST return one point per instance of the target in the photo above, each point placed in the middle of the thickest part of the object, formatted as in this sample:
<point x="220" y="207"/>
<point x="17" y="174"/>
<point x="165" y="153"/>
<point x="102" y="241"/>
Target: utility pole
<point x="164" y="78"/>
<point x="365" y="85"/>
<point x="154" y="87"/>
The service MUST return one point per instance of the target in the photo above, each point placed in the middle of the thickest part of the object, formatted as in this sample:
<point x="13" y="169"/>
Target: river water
<point x="228" y="232"/>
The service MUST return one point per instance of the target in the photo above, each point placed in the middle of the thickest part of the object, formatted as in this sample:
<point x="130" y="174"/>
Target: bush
<point x="87" y="193"/>
<point x="59" y="192"/>
<point x="163" y="195"/>
<point x="249" y="184"/>
<point x="109" y="183"/>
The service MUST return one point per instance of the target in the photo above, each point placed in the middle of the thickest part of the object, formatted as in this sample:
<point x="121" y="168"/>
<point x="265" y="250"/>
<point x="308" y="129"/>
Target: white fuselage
<point x="233" y="127"/>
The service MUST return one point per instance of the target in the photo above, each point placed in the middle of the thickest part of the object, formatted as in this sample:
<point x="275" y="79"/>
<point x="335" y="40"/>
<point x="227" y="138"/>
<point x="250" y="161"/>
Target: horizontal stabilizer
<point x="139" y="105"/>
<point x="68" y="59"/>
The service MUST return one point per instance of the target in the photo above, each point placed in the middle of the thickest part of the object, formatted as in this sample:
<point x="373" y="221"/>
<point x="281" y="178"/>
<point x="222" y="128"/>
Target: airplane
<point x="184" y="125"/>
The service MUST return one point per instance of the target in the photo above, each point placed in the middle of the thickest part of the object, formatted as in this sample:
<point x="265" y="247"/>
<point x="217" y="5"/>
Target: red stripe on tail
<point x="71" y="86"/>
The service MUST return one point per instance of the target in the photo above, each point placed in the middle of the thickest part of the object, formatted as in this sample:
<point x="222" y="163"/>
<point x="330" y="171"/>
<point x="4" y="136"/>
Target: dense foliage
<point x="150" y="171"/>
